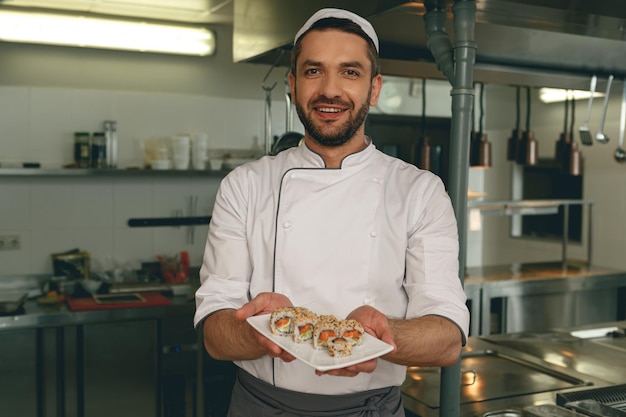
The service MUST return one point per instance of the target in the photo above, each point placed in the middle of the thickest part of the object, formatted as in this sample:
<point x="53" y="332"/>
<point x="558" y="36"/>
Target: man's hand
<point x="265" y="303"/>
<point x="374" y="323"/>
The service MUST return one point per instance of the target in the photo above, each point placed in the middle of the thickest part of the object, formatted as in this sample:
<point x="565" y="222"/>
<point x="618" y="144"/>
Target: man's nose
<point x="330" y="87"/>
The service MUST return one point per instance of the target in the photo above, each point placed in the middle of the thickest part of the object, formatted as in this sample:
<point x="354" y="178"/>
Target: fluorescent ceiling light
<point x="552" y="95"/>
<point x="82" y="31"/>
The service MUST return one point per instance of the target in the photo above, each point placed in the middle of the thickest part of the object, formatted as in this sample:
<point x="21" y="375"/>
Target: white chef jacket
<point x="377" y="231"/>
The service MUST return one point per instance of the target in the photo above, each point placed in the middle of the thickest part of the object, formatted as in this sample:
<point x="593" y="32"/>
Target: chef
<point x="339" y="227"/>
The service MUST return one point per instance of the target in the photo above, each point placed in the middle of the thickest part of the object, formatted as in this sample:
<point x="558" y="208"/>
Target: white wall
<point x="47" y="93"/>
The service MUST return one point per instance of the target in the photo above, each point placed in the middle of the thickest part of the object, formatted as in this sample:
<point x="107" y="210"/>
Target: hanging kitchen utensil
<point x="620" y="154"/>
<point x="585" y="133"/>
<point x="516" y="135"/>
<point x="268" y="105"/>
<point x="601" y="136"/>
<point x="289" y="139"/>
<point x="575" y="160"/>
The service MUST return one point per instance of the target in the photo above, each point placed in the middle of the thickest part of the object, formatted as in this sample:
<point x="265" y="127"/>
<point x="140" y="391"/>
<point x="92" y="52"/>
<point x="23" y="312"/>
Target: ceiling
<point x="553" y="43"/>
<point x="188" y="11"/>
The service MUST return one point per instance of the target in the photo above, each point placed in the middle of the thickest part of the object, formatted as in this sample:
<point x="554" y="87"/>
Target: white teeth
<point x="329" y="110"/>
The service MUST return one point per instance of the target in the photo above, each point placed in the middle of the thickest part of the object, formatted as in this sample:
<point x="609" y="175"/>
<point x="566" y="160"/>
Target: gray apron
<point x="252" y="397"/>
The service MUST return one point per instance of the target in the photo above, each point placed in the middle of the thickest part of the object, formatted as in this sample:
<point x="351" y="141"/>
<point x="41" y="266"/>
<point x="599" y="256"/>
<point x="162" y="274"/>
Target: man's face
<point x="333" y="88"/>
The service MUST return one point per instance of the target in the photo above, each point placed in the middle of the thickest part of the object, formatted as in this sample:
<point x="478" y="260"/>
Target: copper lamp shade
<point x="480" y="151"/>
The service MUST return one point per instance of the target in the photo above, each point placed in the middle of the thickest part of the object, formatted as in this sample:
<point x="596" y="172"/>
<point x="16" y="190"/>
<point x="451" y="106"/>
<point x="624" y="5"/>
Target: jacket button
<point x="373" y="234"/>
<point x="287" y="225"/>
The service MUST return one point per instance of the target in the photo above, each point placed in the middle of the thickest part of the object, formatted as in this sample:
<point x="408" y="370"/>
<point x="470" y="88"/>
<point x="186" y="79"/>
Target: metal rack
<point x="539" y="207"/>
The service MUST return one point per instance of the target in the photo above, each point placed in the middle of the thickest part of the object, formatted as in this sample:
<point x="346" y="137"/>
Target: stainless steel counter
<point x="535" y="297"/>
<point x="36" y="315"/>
<point x="495" y="377"/>
<point x="598" y="350"/>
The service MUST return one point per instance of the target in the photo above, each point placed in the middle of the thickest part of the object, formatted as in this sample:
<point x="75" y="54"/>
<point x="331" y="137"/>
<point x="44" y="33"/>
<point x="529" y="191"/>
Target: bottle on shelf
<point x="98" y="150"/>
<point x="81" y="149"/>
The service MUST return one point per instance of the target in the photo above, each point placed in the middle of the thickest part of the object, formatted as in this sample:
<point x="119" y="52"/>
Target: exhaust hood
<point x="537" y="43"/>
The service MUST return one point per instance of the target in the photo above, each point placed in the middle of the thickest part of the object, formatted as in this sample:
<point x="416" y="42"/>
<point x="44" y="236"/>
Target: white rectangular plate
<point x="370" y="348"/>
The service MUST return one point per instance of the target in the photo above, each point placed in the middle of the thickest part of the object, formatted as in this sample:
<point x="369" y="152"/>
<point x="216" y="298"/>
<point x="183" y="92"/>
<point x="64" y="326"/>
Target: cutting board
<point x="150" y="299"/>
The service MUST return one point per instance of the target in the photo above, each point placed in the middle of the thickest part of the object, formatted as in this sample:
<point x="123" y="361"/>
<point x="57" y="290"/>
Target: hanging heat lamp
<point x="516" y="135"/>
<point x="561" y="155"/>
<point x="480" y="147"/>
<point x="424" y="143"/>
<point x="528" y="148"/>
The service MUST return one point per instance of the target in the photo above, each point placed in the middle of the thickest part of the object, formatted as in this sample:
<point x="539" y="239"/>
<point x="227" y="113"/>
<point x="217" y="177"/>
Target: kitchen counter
<point x="495" y="377"/>
<point x="538" y="271"/>
<point x="535" y="297"/>
<point x="148" y="358"/>
<point x="36" y="315"/>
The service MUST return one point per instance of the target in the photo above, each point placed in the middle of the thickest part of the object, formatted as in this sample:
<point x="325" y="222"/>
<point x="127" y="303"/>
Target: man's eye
<point x="352" y="73"/>
<point x="311" y="71"/>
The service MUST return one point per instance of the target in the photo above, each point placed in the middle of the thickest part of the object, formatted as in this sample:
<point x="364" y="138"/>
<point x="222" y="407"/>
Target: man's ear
<point x="377" y="85"/>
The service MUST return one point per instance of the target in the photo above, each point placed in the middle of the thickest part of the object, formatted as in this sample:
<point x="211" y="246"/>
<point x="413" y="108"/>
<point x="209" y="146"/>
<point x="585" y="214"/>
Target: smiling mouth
<point x="329" y="110"/>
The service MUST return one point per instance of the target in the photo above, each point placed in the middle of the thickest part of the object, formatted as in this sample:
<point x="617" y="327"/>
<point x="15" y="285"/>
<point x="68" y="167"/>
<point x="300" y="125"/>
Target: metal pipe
<point x="438" y="41"/>
<point x="462" y="103"/>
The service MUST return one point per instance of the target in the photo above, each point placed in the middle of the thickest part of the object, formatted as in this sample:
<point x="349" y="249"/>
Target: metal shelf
<point x="523" y="207"/>
<point x="76" y="172"/>
<point x="535" y="208"/>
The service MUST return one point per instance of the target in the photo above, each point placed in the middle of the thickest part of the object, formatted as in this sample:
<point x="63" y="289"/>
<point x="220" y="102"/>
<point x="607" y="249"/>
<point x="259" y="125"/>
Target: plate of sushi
<point x="323" y="342"/>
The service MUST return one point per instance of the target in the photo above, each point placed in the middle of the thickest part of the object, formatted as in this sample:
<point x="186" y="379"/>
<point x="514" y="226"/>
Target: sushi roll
<point x="303" y="326"/>
<point x="281" y="321"/>
<point x="339" y="347"/>
<point x="325" y="329"/>
<point x="352" y="331"/>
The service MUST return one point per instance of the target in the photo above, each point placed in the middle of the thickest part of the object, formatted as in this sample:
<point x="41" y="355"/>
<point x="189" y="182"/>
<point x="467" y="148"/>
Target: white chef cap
<point x="340" y="14"/>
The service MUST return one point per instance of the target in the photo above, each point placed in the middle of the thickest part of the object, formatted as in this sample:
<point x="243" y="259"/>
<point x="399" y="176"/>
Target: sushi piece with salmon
<point x="303" y="326"/>
<point x="352" y="331"/>
<point x="282" y="319"/>
<point x="326" y="328"/>
<point x="339" y="347"/>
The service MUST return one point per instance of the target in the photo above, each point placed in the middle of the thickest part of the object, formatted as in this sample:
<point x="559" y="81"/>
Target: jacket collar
<point x="314" y="160"/>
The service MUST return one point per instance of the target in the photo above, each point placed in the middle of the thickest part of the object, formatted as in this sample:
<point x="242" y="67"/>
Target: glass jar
<point x="98" y="150"/>
<point x="81" y="149"/>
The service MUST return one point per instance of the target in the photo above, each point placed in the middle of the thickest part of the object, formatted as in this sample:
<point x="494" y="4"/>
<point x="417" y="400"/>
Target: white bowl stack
<point x="199" y="150"/>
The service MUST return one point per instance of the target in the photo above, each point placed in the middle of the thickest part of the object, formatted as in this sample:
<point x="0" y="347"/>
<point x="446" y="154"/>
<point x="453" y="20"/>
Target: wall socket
<point x="10" y="242"/>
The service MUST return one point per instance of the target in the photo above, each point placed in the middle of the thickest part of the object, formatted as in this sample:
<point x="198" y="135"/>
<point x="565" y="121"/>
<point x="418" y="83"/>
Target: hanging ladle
<point x="601" y="136"/>
<point x="620" y="154"/>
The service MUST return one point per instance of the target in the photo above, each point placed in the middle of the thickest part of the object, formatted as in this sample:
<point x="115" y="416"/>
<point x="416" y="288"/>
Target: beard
<point x="327" y="136"/>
